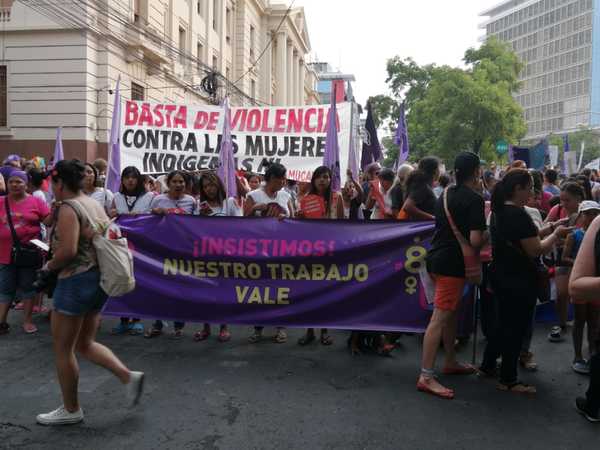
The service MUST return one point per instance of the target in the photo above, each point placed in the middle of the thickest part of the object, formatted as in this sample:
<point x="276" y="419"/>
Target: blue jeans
<point x="79" y="294"/>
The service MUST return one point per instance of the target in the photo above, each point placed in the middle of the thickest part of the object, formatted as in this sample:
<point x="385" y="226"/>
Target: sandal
<point x="176" y="335"/>
<point x="202" y="335"/>
<point x="152" y="333"/>
<point x="307" y="339"/>
<point x="4" y="328"/>
<point x="122" y="328"/>
<point x="326" y="340"/>
<point x="517" y="388"/>
<point x="386" y="350"/>
<point x="136" y="329"/>
<point x="445" y="393"/>
<point x="280" y="337"/>
<point x="30" y="328"/>
<point x="255" y="338"/>
<point x="224" y="336"/>
<point x="459" y="369"/>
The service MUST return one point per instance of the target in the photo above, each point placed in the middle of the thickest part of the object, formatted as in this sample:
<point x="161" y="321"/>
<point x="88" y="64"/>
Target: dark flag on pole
<point x="401" y="138"/>
<point x="371" y="151"/>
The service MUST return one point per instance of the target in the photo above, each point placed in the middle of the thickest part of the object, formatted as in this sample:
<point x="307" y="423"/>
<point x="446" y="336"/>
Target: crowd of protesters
<point x="539" y="227"/>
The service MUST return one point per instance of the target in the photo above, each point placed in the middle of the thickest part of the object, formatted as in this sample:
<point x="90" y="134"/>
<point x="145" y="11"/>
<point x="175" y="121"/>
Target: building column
<point x="290" y="74"/>
<point x="281" y="69"/>
<point x="295" y="76"/>
<point x="301" y="80"/>
<point x="267" y="73"/>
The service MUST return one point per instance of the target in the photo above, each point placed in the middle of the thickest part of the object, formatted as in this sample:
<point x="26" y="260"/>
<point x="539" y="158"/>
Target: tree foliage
<point x="452" y="109"/>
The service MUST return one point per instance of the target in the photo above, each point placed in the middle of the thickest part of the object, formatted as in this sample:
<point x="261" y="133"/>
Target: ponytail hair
<point x="505" y="188"/>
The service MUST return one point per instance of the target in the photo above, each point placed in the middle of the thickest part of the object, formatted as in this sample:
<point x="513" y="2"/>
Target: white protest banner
<point x="553" y="153"/>
<point x="158" y="138"/>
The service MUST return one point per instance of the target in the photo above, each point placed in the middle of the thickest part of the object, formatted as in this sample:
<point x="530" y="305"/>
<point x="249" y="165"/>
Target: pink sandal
<point x="30" y="328"/>
<point x="224" y="336"/>
<point x="201" y="335"/>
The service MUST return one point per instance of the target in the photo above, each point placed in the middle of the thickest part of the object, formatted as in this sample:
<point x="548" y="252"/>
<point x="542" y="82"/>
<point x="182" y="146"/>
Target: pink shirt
<point x="26" y="217"/>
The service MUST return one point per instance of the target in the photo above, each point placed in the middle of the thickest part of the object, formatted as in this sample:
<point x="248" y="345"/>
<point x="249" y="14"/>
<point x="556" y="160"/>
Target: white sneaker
<point x="135" y="387"/>
<point x="60" y="416"/>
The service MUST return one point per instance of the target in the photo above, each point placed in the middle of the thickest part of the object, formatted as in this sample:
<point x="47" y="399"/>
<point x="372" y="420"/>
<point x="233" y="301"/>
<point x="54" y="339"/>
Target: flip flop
<point x="30" y="328"/>
<point x="201" y="335"/>
<point x="326" y="340"/>
<point x="224" y="336"/>
<point x="517" y="388"/>
<point x="446" y="394"/>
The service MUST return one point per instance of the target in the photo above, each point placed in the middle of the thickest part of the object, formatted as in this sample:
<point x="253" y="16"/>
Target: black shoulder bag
<point x="22" y="255"/>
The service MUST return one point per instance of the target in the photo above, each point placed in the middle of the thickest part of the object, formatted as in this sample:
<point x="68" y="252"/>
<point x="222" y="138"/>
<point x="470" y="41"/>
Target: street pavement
<point x="211" y="396"/>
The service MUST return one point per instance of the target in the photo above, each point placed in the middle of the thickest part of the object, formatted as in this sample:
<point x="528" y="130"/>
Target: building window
<point x="252" y="42"/>
<point x="215" y="63"/>
<point x="200" y="7"/>
<point x="3" y="98"/>
<point x="137" y="92"/>
<point x="140" y="9"/>
<point x="253" y="89"/>
<point x="182" y="45"/>
<point x="228" y="25"/>
<point x="215" y="21"/>
<point x="228" y="73"/>
<point x="200" y="54"/>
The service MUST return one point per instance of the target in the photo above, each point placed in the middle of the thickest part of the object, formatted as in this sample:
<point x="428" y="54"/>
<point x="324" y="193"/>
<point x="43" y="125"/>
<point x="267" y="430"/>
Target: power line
<point x="269" y="44"/>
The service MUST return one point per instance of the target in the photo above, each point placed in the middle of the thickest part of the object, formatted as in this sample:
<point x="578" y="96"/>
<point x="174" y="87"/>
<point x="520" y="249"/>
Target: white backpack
<point x="114" y="258"/>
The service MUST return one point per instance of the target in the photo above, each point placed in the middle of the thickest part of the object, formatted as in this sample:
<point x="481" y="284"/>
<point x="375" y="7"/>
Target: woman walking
<point x="78" y="298"/>
<point x="466" y="210"/>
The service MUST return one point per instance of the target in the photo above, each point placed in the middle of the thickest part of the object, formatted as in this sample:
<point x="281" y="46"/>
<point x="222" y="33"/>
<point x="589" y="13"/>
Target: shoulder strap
<point x="459" y="237"/>
<point x="15" y="238"/>
<point x="82" y="212"/>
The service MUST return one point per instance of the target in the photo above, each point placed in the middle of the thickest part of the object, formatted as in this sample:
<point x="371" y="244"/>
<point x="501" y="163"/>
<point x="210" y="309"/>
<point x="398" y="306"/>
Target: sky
<point x="358" y="36"/>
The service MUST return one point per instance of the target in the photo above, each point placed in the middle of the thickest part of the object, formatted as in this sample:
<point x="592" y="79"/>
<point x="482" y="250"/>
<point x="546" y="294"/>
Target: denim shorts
<point x="16" y="283"/>
<point x="79" y="294"/>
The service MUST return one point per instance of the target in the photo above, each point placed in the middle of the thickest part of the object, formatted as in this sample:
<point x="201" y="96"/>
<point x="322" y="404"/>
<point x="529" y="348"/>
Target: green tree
<point x="452" y="109"/>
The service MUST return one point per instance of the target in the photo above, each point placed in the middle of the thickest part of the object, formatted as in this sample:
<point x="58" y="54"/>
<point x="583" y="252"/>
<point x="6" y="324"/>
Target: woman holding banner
<point x="214" y="203"/>
<point x="320" y="203"/>
<point x="420" y="198"/>
<point x="175" y="201"/>
<point x="270" y="200"/>
<point x="464" y="214"/>
<point x="131" y="199"/>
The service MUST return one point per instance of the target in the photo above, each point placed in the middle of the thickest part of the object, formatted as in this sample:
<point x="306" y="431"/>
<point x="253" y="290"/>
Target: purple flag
<point x="113" y="175"/>
<point x="331" y="158"/>
<point x="371" y="150"/>
<point x="352" y="154"/>
<point x="226" y="170"/>
<point x="401" y="138"/>
<point x="59" y="154"/>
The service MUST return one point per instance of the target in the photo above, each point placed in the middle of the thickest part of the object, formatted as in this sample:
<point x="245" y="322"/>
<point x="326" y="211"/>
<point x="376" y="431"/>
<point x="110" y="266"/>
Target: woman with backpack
<point x="78" y="297"/>
<point x="460" y="209"/>
<point x="131" y="199"/>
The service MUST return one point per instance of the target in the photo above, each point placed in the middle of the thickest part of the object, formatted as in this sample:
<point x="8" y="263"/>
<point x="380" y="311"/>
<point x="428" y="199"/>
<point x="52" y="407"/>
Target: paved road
<point x="239" y="396"/>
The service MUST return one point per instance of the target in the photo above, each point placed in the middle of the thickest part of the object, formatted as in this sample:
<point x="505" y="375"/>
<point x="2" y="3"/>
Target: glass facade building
<point x="558" y="42"/>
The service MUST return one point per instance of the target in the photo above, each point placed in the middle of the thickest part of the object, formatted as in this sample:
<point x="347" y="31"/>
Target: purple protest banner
<point x="321" y="274"/>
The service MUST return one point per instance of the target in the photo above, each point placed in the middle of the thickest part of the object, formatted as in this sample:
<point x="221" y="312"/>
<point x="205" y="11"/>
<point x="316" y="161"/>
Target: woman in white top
<point x="131" y="199"/>
<point x="101" y="195"/>
<point x="270" y="200"/>
<point x="214" y="203"/>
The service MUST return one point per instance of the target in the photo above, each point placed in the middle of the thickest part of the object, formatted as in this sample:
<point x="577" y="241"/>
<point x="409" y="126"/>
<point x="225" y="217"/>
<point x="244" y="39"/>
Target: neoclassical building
<point x="60" y="61"/>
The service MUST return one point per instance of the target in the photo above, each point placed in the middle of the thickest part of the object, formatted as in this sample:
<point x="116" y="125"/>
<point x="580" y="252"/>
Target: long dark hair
<point x="91" y="166"/>
<point x="214" y="179"/>
<point x="322" y="170"/>
<point x="140" y="187"/>
<point x="466" y="165"/>
<point x="585" y="184"/>
<point x="429" y="166"/>
<point x="71" y="173"/>
<point x="505" y="188"/>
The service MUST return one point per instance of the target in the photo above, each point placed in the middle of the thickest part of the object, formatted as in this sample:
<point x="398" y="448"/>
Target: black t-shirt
<point x="512" y="269"/>
<point x="468" y="211"/>
<point x="397" y="197"/>
<point x="424" y="199"/>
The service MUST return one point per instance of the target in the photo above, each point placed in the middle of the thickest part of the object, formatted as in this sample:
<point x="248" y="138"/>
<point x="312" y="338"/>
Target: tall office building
<point x="559" y="44"/>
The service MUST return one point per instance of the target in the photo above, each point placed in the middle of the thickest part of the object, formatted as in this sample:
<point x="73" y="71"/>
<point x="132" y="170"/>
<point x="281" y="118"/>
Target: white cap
<point x="588" y="205"/>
